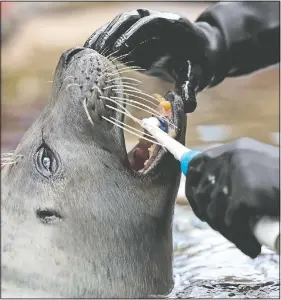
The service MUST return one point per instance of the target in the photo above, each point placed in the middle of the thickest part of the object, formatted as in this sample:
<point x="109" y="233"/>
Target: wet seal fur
<point x="76" y="220"/>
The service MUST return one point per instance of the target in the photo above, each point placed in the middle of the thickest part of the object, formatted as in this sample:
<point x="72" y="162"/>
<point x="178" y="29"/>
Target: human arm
<point x="251" y="32"/>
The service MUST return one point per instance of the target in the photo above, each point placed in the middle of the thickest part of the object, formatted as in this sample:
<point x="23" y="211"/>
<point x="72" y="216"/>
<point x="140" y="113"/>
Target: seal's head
<point x="77" y="219"/>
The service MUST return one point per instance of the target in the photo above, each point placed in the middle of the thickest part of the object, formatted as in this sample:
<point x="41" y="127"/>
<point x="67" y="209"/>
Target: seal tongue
<point x="139" y="155"/>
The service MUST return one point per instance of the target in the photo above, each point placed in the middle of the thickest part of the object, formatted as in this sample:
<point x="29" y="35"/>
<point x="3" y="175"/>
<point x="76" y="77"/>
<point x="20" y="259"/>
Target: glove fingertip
<point x="248" y="244"/>
<point x="190" y="105"/>
<point x="169" y="96"/>
<point x="253" y="252"/>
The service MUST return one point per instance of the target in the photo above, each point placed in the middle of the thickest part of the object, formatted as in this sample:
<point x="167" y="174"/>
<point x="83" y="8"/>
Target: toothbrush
<point x="265" y="229"/>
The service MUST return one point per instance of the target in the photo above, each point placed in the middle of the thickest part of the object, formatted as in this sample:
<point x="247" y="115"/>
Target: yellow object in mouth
<point x="166" y="105"/>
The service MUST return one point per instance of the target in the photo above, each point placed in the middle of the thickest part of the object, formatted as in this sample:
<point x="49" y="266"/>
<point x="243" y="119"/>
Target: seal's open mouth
<point x="146" y="153"/>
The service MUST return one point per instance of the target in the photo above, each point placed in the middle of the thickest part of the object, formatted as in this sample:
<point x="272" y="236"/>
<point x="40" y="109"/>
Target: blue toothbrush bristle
<point x="163" y="125"/>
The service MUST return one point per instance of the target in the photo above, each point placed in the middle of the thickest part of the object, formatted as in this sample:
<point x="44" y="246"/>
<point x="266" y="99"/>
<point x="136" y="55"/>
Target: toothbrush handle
<point x="173" y="146"/>
<point x="185" y="160"/>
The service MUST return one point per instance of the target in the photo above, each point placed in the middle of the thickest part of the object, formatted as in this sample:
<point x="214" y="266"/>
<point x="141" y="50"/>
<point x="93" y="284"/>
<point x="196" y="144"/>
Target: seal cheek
<point x="48" y="216"/>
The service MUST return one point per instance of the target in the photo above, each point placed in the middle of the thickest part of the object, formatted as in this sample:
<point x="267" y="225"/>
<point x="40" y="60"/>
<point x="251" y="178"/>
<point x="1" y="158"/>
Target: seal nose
<point x="70" y="53"/>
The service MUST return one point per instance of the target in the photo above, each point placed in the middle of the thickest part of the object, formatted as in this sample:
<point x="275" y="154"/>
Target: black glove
<point x="228" y="186"/>
<point x="165" y="44"/>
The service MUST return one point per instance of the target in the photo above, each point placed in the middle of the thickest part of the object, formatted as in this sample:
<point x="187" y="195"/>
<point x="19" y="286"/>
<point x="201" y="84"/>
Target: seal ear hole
<point x="48" y="216"/>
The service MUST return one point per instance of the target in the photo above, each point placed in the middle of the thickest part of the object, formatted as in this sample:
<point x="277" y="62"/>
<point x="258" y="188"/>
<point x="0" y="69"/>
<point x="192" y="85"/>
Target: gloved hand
<point x="163" y="43"/>
<point x="229" y="185"/>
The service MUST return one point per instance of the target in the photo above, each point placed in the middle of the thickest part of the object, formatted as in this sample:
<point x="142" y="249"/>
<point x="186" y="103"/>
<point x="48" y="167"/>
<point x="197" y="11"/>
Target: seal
<point x="78" y="221"/>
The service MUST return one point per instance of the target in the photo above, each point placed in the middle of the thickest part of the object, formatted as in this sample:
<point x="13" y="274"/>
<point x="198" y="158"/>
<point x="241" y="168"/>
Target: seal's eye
<point x="45" y="161"/>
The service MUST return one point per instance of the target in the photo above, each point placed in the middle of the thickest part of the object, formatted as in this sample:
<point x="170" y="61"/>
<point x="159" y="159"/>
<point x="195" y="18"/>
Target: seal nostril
<point x="48" y="216"/>
<point x="69" y="54"/>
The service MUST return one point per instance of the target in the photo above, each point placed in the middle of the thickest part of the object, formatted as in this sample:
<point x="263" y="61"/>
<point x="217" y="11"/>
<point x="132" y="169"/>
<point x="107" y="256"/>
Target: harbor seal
<point x="78" y="221"/>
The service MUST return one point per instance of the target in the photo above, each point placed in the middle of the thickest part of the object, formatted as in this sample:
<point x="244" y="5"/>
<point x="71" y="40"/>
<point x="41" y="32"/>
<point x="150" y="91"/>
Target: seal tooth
<point x="145" y="163"/>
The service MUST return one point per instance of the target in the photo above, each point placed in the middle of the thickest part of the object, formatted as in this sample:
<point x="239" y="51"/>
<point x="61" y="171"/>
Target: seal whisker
<point x="125" y="111"/>
<point x="71" y="84"/>
<point x="118" y="57"/>
<point x="110" y="66"/>
<point x="116" y="124"/>
<point x="110" y="54"/>
<point x="126" y="125"/>
<point x="122" y="85"/>
<point x="126" y="78"/>
<point x="5" y="162"/>
<point x="131" y="79"/>
<point x="124" y="81"/>
<point x="87" y="111"/>
<point x="95" y="87"/>
<point x="8" y="163"/>
<point x="120" y="71"/>
<point x="150" y="110"/>
<point x="7" y="159"/>
<point x="141" y="98"/>
<point x="150" y="139"/>
<point x="138" y="92"/>
<point x="67" y="77"/>
<point x="130" y="131"/>
<point x="122" y="55"/>
<point x="125" y="100"/>
<point x="8" y="154"/>
<point x="103" y="52"/>
<point x="130" y="83"/>
<point x="132" y="68"/>
<point x="124" y="70"/>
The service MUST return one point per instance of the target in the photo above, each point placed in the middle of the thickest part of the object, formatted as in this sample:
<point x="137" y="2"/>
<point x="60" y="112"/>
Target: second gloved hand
<point x="162" y="44"/>
<point x="228" y="186"/>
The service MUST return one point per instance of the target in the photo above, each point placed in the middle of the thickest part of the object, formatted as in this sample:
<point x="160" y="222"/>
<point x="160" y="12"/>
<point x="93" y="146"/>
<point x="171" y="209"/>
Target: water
<point x="206" y="265"/>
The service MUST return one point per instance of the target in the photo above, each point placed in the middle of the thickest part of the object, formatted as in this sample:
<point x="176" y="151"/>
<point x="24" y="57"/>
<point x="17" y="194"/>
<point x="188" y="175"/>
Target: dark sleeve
<point x="251" y="32"/>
